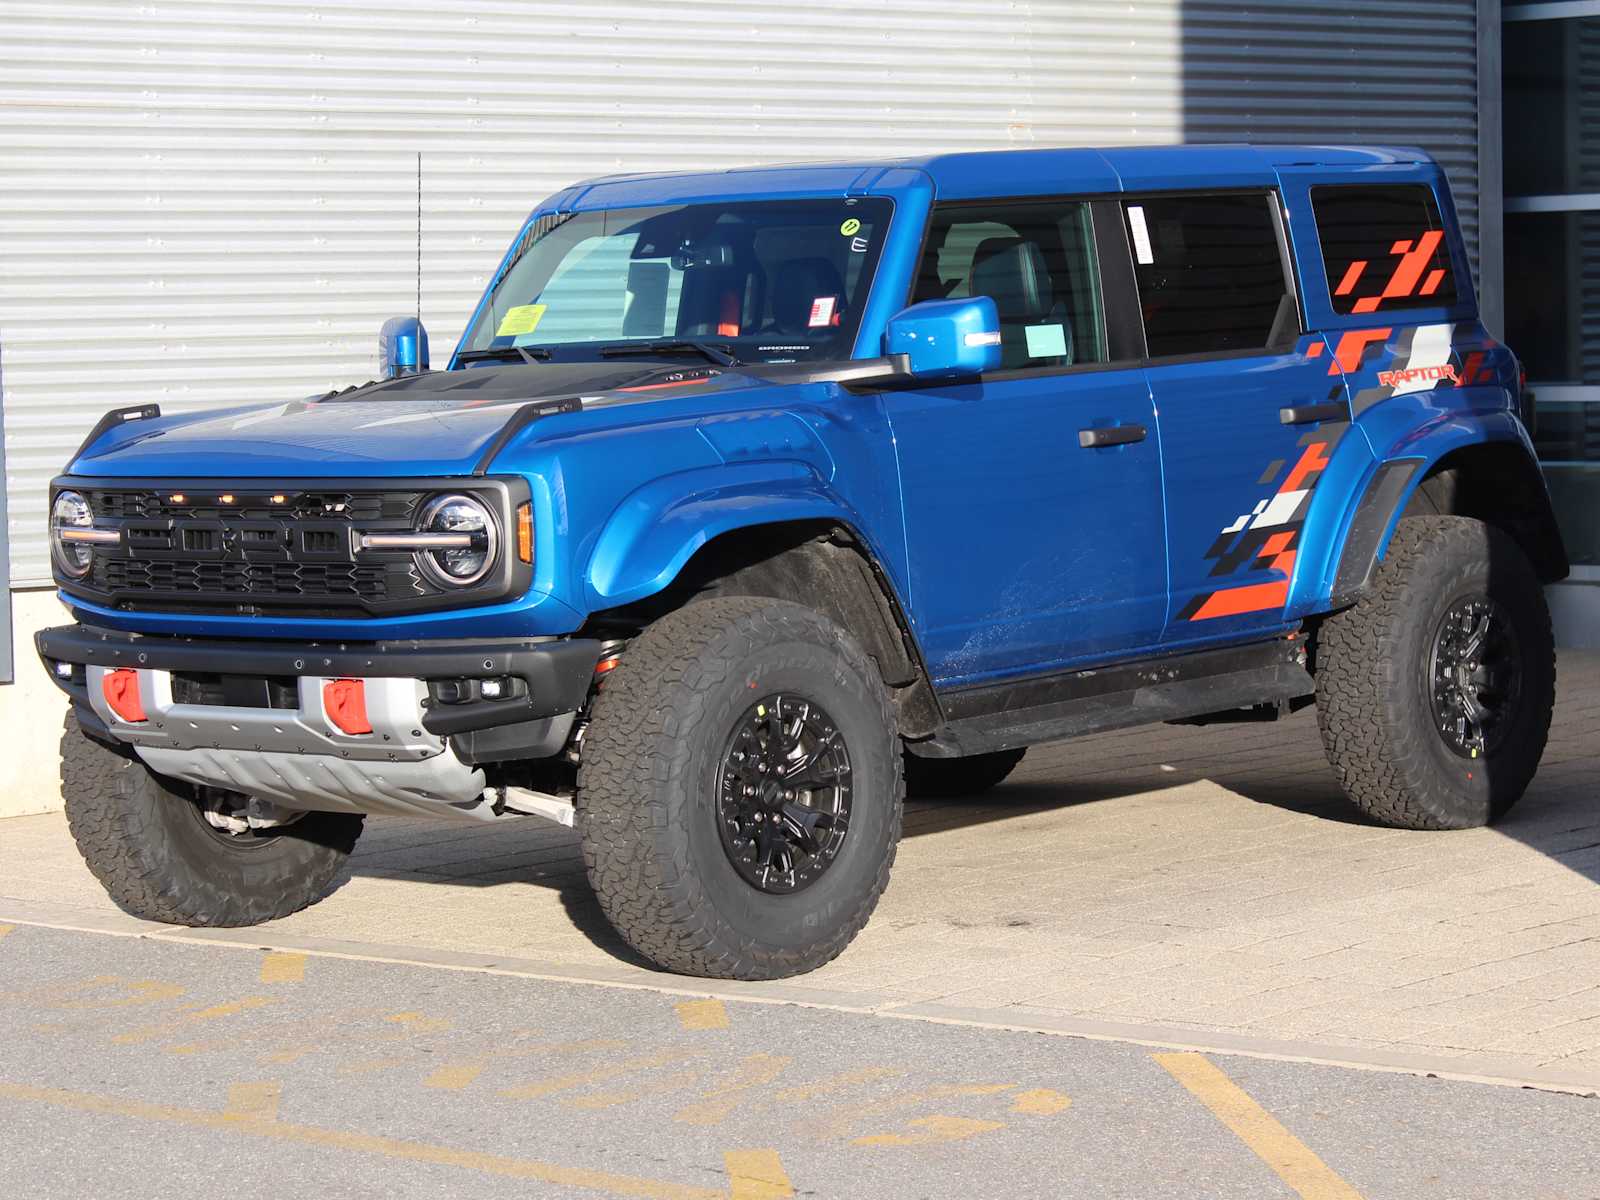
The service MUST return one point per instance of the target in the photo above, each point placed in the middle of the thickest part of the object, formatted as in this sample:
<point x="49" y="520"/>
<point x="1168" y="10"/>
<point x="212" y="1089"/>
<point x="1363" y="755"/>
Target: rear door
<point x="1033" y="509"/>
<point x="1248" y="405"/>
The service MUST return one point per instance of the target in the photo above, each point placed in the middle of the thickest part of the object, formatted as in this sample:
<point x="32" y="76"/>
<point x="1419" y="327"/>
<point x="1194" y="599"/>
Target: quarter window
<point x="1036" y="262"/>
<point x="1210" y="273"/>
<point x="1383" y="247"/>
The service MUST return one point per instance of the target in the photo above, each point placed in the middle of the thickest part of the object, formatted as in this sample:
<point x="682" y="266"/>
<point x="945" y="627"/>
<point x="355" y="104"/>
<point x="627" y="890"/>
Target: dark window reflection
<point x="1552" y="106"/>
<point x="1553" y="294"/>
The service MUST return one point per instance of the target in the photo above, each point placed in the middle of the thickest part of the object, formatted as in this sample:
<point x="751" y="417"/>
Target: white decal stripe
<point x="1430" y="347"/>
<point x="1282" y="509"/>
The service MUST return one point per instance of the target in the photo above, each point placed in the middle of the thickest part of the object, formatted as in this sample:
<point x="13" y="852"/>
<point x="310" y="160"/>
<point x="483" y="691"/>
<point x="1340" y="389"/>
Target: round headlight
<point x="71" y="511"/>
<point x="466" y="564"/>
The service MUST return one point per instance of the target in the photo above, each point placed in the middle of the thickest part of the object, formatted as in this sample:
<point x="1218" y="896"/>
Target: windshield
<point x="761" y="281"/>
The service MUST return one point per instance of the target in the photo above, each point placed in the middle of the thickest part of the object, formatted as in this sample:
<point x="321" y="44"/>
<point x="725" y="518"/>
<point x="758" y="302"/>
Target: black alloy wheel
<point x="783" y="805"/>
<point x="1475" y="673"/>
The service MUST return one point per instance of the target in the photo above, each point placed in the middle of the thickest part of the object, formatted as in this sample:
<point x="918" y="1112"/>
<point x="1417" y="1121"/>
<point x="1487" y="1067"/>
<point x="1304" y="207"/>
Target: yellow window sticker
<point x="850" y="228"/>
<point x="522" y="319"/>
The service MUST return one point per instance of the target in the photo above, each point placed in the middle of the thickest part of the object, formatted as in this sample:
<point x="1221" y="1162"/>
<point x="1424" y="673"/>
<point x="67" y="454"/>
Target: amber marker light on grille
<point x="525" y="532"/>
<point x="177" y="498"/>
<point x="226" y="497"/>
<point x="280" y="498"/>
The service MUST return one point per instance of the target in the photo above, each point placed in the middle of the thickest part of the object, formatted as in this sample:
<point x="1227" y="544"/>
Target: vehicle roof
<point x="971" y="174"/>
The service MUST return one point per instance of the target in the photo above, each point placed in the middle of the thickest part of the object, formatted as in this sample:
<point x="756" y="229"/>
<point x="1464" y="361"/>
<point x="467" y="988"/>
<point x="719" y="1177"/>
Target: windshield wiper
<point x="721" y="355"/>
<point x="525" y="353"/>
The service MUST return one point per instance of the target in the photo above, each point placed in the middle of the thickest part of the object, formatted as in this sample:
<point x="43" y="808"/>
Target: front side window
<point x="1036" y="262"/>
<point x="1383" y="247"/>
<point x="1210" y="273"/>
<point x="768" y="281"/>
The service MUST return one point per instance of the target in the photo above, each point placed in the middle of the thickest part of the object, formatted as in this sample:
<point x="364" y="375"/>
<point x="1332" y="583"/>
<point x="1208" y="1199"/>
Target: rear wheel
<point x="947" y="778"/>
<point x="740" y="793"/>
<point x="1435" y="692"/>
<point x="168" y="852"/>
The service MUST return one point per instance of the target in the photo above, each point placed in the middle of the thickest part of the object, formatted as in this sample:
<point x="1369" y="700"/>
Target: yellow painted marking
<point x="1041" y="1102"/>
<point x="930" y="1131"/>
<point x="758" y="1070"/>
<point x="837" y="1083"/>
<point x="703" y="1014"/>
<point x="757" y="1175"/>
<point x="416" y="1022"/>
<point x="837" y="1123"/>
<point x="1287" y="1155"/>
<point x="338" y="1139"/>
<point x="253" y="1101"/>
<point x="5" y="929"/>
<point x="283" y="968"/>
<point x="454" y="1076"/>
<point x="137" y="991"/>
<point x="599" y="1100"/>
<point x="560" y="1083"/>
<point x="215" y="1012"/>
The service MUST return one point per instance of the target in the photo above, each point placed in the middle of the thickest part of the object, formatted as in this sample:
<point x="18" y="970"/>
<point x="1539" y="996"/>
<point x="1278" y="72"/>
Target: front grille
<point x="197" y="547"/>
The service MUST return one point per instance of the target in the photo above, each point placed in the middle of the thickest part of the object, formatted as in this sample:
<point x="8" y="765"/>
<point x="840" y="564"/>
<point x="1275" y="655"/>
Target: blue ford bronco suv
<point x="753" y="501"/>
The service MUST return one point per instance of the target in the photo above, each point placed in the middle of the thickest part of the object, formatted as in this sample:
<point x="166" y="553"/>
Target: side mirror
<point x="945" y="338"/>
<point x="402" y="348"/>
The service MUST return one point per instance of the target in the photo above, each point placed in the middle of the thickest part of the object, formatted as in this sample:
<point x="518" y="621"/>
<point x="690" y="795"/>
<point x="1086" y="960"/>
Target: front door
<point x="1033" y="504"/>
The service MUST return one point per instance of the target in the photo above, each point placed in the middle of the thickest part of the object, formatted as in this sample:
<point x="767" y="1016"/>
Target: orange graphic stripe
<point x="1276" y="544"/>
<point x="1351" y="278"/>
<point x="1255" y="598"/>
<point x="1315" y="458"/>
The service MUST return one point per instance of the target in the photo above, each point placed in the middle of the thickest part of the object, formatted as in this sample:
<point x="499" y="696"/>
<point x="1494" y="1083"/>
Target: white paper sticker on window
<point x="821" y="312"/>
<point x="1046" y="341"/>
<point x="1141" y="234"/>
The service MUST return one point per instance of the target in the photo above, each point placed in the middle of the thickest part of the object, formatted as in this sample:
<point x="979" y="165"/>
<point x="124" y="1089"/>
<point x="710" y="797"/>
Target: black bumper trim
<point x="557" y="672"/>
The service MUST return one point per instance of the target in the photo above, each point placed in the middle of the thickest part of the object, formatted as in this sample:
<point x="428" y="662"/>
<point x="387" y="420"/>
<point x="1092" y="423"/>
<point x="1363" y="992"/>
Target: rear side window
<point x="1383" y="247"/>
<point x="1210" y="273"/>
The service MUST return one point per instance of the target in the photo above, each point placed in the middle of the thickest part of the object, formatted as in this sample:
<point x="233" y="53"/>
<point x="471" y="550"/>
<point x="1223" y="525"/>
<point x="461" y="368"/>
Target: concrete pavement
<point x="1194" y="887"/>
<point x="145" y="1068"/>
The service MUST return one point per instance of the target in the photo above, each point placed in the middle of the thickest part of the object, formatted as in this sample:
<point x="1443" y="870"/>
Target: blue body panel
<point x="1009" y="546"/>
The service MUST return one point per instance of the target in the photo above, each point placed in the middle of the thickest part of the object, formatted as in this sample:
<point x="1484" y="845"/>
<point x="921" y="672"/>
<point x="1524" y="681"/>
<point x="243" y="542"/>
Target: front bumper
<point x="250" y="716"/>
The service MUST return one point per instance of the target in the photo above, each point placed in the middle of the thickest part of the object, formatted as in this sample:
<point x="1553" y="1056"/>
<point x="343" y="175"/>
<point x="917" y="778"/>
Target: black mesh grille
<point x="265" y="550"/>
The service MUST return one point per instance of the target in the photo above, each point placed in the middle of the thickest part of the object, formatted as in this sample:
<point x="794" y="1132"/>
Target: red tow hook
<point x="121" y="688"/>
<point x="345" y="702"/>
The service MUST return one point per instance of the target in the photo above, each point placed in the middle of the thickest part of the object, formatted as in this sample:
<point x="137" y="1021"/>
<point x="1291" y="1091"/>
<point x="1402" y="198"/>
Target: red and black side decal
<point x="1264" y="541"/>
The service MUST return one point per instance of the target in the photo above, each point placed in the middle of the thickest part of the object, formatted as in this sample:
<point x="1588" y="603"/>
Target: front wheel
<point x="1435" y="692"/>
<point x="740" y="794"/>
<point x="169" y="852"/>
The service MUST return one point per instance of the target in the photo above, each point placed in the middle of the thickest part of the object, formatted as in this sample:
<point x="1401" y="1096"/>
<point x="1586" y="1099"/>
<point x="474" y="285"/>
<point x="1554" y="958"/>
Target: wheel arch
<point x="822" y="561"/>
<point x="1492" y="477"/>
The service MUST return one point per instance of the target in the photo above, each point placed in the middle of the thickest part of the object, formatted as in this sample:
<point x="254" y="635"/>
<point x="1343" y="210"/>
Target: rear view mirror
<point x="946" y="338"/>
<point x="402" y="348"/>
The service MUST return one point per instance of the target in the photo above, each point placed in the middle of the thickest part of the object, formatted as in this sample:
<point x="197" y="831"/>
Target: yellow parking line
<point x="453" y="1076"/>
<point x="282" y="967"/>
<point x="757" y="1175"/>
<point x="338" y="1139"/>
<point x="253" y="1101"/>
<point x="230" y="1009"/>
<point x="5" y="929"/>
<point x="1287" y="1155"/>
<point x="703" y="1014"/>
<point x="1041" y="1102"/>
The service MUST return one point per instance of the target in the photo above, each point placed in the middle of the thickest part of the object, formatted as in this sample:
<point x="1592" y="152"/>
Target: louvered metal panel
<point x="1371" y="71"/>
<point x="210" y="203"/>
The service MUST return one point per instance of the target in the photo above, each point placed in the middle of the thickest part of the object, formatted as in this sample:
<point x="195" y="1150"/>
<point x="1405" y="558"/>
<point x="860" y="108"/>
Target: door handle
<point x="1307" y="413"/>
<point x="1111" y="435"/>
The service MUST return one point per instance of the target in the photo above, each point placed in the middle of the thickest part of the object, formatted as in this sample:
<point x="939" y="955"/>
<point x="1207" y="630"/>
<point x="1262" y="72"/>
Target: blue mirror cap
<point x="402" y="347"/>
<point x="947" y="337"/>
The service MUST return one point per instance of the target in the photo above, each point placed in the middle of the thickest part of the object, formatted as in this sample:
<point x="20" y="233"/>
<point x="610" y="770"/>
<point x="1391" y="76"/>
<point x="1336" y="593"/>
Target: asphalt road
<point x="132" y="1068"/>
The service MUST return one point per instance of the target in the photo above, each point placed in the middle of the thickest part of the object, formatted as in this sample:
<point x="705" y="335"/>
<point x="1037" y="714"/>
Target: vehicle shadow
<point x="1278" y="764"/>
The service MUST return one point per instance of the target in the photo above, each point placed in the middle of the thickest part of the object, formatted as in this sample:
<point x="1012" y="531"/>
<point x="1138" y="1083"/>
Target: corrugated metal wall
<point x="1375" y="71"/>
<point x="210" y="203"/>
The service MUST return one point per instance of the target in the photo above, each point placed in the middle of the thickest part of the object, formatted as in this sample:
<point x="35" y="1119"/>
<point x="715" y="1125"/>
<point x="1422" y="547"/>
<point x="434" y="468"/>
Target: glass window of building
<point x="1552" y="249"/>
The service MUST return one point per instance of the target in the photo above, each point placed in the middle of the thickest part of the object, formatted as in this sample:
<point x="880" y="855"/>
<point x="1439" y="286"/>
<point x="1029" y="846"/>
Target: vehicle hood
<point x="439" y="423"/>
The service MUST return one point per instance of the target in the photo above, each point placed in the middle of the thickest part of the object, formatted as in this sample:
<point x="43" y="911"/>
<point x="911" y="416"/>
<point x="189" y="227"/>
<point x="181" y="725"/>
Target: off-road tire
<point x="1373" y="679"/>
<point x="652" y="762"/>
<point x="147" y="842"/>
<point x="952" y="778"/>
